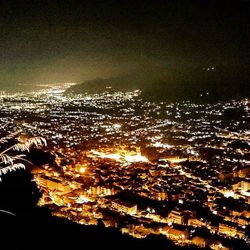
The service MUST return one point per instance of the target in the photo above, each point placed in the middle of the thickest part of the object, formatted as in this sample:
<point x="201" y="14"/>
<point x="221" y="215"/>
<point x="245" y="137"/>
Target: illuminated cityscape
<point x="124" y="124"/>
<point x="175" y="169"/>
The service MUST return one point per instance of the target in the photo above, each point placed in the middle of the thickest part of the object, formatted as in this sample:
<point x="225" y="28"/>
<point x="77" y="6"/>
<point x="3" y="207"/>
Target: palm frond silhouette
<point x="10" y="160"/>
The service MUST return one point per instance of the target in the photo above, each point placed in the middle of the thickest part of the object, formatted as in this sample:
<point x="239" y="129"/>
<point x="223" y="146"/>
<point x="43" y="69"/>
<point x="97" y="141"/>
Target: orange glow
<point x="176" y="160"/>
<point x="120" y="155"/>
<point x="135" y="158"/>
<point x="82" y="170"/>
<point x="228" y="194"/>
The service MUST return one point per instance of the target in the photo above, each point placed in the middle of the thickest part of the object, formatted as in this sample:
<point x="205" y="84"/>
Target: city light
<point x="82" y="170"/>
<point x="168" y="161"/>
<point x="120" y="155"/>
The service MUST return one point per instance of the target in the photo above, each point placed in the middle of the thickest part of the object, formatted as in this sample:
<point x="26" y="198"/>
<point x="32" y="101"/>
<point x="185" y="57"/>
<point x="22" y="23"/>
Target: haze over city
<point x="74" y="41"/>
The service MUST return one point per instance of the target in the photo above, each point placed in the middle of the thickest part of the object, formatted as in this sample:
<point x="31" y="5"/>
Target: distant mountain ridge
<point x="204" y="84"/>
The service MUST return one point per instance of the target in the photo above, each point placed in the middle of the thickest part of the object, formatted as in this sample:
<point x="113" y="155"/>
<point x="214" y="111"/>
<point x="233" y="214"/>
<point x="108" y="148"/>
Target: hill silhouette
<point x="205" y="84"/>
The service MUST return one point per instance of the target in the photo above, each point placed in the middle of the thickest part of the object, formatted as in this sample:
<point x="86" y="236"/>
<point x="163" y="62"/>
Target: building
<point x="124" y="207"/>
<point x="227" y="230"/>
<point x="199" y="241"/>
<point x="101" y="191"/>
<point x="53" y="185"/>
<point x="175" y="234"/>
<point x="176" y="217"/>
<point x="196" y="222"/>
<point x="230" y="230"/>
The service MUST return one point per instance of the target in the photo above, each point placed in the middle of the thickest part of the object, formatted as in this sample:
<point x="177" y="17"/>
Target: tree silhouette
<point x="13" y="156"/>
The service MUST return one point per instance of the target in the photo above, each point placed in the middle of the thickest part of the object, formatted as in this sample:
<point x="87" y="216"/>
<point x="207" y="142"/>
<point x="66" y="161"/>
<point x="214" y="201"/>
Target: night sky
<point x="72" y="41"/>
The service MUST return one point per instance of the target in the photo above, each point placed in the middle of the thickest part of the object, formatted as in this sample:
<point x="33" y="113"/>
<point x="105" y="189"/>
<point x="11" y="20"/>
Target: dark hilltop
<point x="207" y="83"/>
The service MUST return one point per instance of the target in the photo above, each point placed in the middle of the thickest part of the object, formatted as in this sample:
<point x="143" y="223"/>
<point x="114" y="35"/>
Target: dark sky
<point x="72" y="41"/>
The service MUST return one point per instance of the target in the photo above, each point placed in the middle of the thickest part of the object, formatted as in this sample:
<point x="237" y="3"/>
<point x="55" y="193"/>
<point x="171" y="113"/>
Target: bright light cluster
<point x="122" y="156"/>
